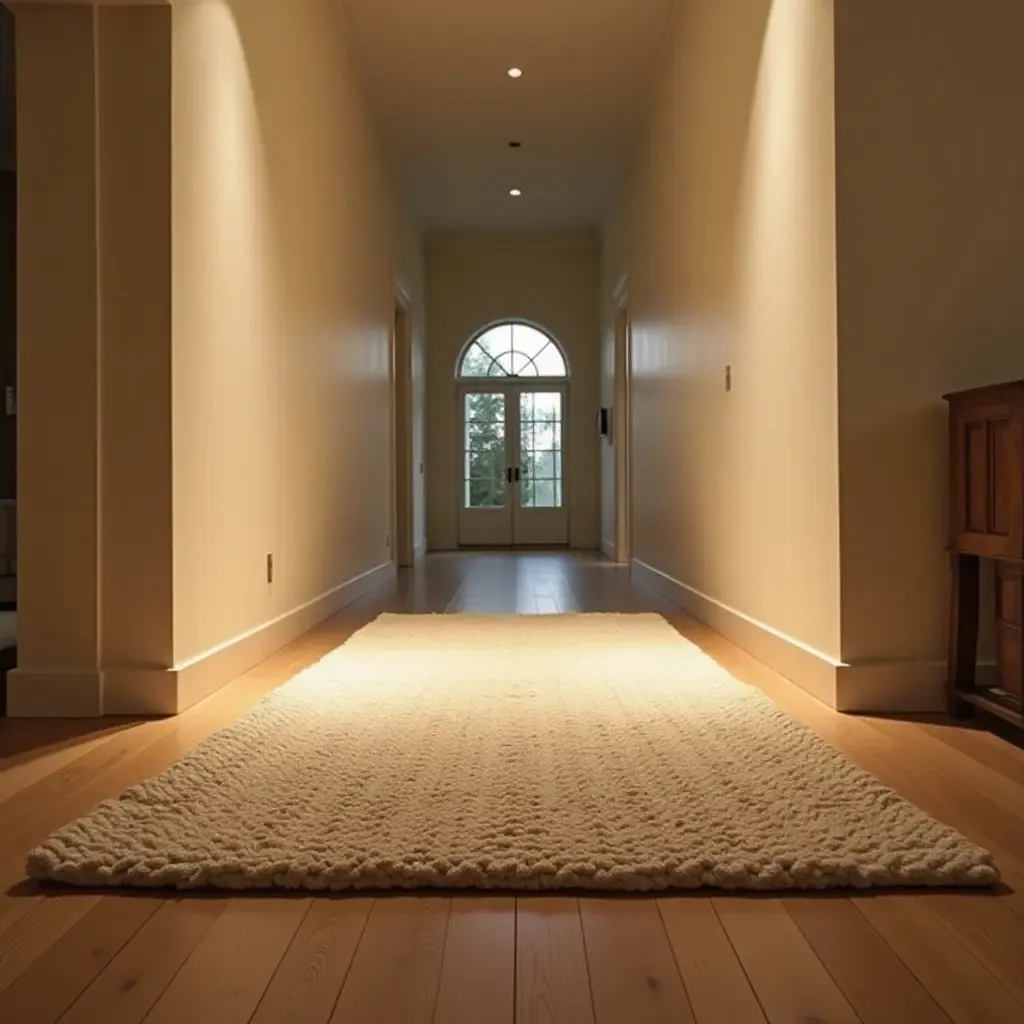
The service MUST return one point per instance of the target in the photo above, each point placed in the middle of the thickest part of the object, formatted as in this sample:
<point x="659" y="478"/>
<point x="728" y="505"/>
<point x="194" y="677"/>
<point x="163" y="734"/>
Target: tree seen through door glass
<point x="484" y="461"/>
<point x="540" y="443"/>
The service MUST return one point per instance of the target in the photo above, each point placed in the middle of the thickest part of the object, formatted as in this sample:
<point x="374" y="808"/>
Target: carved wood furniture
<point x="986" y="520"/>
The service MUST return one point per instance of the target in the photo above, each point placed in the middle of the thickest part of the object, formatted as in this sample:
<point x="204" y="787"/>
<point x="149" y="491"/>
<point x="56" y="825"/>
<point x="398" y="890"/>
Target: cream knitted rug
<point x="529" y="752"/>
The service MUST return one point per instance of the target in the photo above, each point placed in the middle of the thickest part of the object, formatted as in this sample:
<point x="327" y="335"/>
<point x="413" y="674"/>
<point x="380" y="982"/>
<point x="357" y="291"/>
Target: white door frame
<point x="622" y="422"/>
<point x="401" y="535"/>
<point x="513" y="514"/>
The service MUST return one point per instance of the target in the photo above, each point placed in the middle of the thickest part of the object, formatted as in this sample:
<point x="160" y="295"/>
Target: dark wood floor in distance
<point x="479" y="959"/>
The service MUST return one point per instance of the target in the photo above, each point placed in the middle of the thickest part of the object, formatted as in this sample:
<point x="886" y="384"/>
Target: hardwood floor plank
<point x="955" y="977"/>
<point x="307" y="983"/>
<point x="960" y="768"/>
<point x="30" y="934"/>
<point x="788" y="978"/>
<point x="18" y="772"/>
<point x="716" y="986"/>
<point x="989" y="926"/>
<point x="981" y="745"/>
<point x="395" y="973"/>
<point x="128" y="987"/>
<point x="871" y="976"/>
<point x="552" y="983"/>
<point x="225" y="976"/>
<point x="40" y="994"/>
<point x="478" y="975"/>
<point x="633" y="974"/>
<point x="953" y="945"/>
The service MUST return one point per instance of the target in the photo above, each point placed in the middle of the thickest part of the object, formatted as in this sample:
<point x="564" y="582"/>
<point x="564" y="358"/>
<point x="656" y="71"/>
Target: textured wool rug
<point x="529" y="752"/>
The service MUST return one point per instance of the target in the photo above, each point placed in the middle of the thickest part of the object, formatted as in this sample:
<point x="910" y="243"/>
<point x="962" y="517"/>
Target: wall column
<point x="94" y="361"/>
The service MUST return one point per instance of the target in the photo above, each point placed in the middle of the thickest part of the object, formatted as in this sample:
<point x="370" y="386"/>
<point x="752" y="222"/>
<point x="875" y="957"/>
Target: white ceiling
<point x="436" y="75"/>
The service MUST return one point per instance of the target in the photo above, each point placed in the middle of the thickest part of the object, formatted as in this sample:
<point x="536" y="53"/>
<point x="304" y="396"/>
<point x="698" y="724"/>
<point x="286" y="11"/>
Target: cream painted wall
<point x="284" y="235"/>
<point x="133" y="87"/>
<point x="729" y="242"/>
<point x="931" y="289"/>
<point x="550" y="279"/>
<point x="58" y="372"/>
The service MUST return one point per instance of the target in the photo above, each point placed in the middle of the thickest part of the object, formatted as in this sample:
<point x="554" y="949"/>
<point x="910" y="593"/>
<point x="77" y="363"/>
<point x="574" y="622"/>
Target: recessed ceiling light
<point x="514" y="192"/>
<point x="515" y="73"/>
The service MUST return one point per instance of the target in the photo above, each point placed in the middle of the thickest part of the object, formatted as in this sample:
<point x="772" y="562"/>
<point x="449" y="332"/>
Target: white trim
<point x="897" y="687"/>
<point x="156" y="691"/>
<point x="881" y="686"/>
<point x="608" y="549"/>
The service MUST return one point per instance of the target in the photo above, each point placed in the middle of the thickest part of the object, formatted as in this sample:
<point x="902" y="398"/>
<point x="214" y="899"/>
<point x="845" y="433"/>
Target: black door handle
<point x="508" y="475"/>
<point x="517" y="474"/>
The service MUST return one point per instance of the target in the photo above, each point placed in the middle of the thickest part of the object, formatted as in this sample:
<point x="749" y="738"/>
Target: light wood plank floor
<point x="713" y="959"/>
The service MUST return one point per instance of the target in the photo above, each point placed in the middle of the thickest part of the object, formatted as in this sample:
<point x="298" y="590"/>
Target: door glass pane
<point x="484" y="462"/>
<point x="540" y="442"/>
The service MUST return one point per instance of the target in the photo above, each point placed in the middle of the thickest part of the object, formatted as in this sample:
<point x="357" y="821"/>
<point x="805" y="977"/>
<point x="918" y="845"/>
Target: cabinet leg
<point x="965" y="597"/>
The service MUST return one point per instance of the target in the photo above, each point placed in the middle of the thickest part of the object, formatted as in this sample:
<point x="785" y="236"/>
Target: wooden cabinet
<point x="986" y="519"/>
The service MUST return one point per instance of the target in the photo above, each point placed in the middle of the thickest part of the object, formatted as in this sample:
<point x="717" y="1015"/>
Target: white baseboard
<point x="156" y="691"/>
<point x="888" y="687"/>
<point x="200" y="676"/>
<point x="608" y="548"/>
<point x="893" y="687"/>
<point x="33" y="693"/>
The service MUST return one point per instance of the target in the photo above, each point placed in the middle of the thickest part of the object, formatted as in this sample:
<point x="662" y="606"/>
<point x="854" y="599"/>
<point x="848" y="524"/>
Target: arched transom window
<point x="513" y="350"/>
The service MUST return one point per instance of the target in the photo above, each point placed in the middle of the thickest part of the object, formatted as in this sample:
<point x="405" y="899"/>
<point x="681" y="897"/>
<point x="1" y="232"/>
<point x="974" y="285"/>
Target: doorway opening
<point x="622" y="421"/>
<point x="401" y="535"/>
<point x="513" y="397"/>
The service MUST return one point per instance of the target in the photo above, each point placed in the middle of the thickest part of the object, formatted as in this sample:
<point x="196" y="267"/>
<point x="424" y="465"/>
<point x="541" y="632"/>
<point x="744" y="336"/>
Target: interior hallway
<point x="82" y="957"/>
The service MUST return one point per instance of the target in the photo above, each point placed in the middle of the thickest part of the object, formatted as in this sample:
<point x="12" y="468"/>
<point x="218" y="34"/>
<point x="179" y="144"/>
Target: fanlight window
<point x="513" y="350"/>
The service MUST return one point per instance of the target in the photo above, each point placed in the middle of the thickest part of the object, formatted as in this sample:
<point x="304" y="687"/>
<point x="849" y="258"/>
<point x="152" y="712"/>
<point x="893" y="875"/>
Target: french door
<point x="512" y="465"/>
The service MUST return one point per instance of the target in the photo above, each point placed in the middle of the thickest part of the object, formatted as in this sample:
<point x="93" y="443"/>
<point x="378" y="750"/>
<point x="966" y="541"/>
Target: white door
<point x="512" y="469"/>
<point x="540" y="514"/>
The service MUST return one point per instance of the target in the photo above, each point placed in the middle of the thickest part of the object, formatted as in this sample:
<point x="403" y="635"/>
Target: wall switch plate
<point x="728" y="377"/>
<point x="270" y="568"/>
